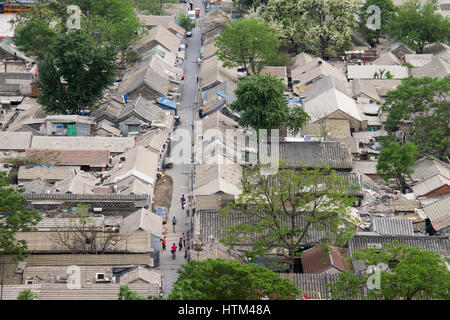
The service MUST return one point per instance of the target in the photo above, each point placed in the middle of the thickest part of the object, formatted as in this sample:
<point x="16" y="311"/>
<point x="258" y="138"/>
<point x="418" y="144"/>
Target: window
<point x="133" y="128"/>
<point x="374" y="245"/>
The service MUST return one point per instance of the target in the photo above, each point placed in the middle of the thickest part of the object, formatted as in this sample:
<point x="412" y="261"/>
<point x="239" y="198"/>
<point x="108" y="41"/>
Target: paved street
<point x="180" y="173"/>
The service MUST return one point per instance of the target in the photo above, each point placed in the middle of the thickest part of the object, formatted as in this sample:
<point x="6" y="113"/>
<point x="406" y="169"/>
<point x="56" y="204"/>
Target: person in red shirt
<point x="173" y="248"/>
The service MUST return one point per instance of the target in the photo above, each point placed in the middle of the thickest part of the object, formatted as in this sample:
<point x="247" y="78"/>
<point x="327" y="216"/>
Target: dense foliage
<point x="395" y="162"/>
<point x="406" y="273"/>
<point x="218" y="279"/>
<point x="425" y="104"/>
<point x="77" y="73"/>
<point x="262" y="103"/>
<point x="417" y="25"/>
<point x="14" y="217"/>
<point x="318" y="26"/>
<point x="249" y="43"/>
<point x="387" y="12"/>
<point x="280" y="211"/>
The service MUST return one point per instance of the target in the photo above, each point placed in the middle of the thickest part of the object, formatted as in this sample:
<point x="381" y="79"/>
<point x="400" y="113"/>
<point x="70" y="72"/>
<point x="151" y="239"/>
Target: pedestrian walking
<point x="164" y="242"/>
<point x="183" y="201"/>
<point x="180" y="243"/>
<point x="183" y="236"/>
<point x="174" y="222"/>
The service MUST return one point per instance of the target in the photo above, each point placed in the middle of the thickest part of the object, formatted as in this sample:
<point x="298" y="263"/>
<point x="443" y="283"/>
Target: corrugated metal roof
<point x="88" y="292"/>
<point x="393" y="226"/>
<point x="74" y="157"/>
<point x="214" y="224"/>
<point x="427" y="185"/>
<point x="439" y="213"/>
<point x="46" y="173"/>
<point x="426" y="168"/>
<point x="113" y="144"/>
<point x="335" y="154"/>
<point x="55" y="259"/>
<point x="439" y="245"/>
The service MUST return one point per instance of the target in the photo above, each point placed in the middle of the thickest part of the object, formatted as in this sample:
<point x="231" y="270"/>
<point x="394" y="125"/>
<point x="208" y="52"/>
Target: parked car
<point x="188" y="33"/>
<point x="162" y="212"/>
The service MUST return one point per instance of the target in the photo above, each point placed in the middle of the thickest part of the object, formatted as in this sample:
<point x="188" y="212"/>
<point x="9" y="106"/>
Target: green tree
<point x="387" y="11"/>
<point x="14" y="217"/>
<point x="425" y="103"/>
<point x="395" y="161"/>
<point x="27" y="294"/>
<point x="280" y="211"/>
<point x="249" y="43"/>
<point x="125" y="293"/>
<point x="408" y="273"/>
<point x="262" y="103"/>
<point x="319" y="26"/>
<point x="218" y="279"/>
<point x="77" y="73"/>
<point x="153" y="7"/>
<point x="111" y="22"/>
<point x="186" y="22"/>
<point x="417" y="25"/>
<point x="35" y="38"/>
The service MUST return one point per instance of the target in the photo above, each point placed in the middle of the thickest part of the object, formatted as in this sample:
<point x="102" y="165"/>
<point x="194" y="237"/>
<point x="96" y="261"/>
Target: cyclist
<point x="173" y="250"/>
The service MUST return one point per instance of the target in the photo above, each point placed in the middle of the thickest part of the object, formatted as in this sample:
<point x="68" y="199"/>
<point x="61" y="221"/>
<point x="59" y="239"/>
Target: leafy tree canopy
<point x="186" y="22"/>
<point x="218" y="279"/>
<point x="112" y="22"/>
<point x="27" y="294"/>
<point x="281" y="211"/>
<point x="262" y="103"/>
<point x="14" y="217"/>
<point x="249" y="43"/>
<point x="425" y="103"/>
<point x="125" y="293"/>
<point x="387" y="12"/>
<point x="405" y="273"/>
<point x="77" y="73"/>
<point x="417" y="25"/>
<point x="318" y="26"/>
<point x="395" y="161"/>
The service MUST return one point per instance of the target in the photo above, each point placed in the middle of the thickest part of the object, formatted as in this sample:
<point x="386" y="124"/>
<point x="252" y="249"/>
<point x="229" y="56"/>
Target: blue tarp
<point x="167" y="103"/>
<point x="214" y="8"/>
<point x="295" y="100"/>
<point x="224" y="95"/>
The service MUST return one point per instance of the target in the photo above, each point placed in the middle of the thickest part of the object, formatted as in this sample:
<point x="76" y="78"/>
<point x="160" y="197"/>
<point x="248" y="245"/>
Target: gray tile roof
<point x="88" y="292"/>
<point x="16" y="75"/>
<point x="318" y="87"/>
<point x="439" y="245"/>
<point x="213" y="224"/>
<point x="335" y="154"/>
<point x="438" y="49"/>
<point x="439" y="213"/>
<point x="426" y="168"/>
<point x="313" y="286"/>
<point x="393" y="226"/>
<point x="115" y="259"/>
<point x="436" y="68"/>
<point x="362" y="87"/>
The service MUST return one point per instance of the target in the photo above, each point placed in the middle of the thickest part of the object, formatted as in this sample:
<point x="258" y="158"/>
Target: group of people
<point x="173" y="248"/>
<point x="182" y="241"/>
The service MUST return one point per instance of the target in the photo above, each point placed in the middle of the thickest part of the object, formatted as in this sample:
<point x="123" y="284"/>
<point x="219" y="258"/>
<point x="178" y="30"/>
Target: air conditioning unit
<point x="101" y="277"/>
